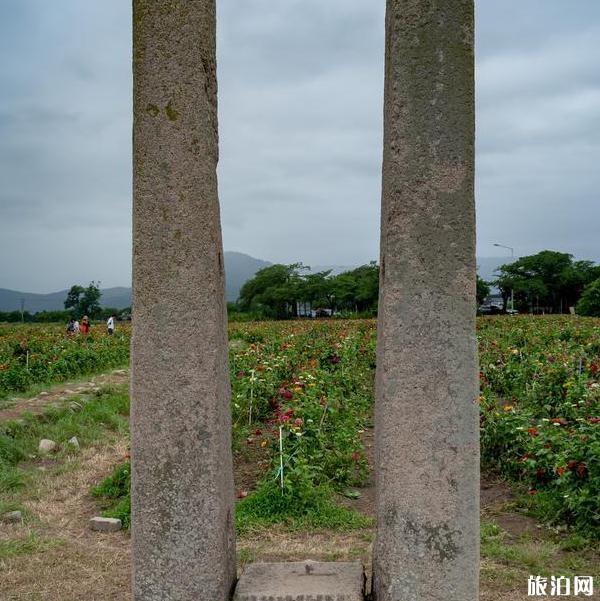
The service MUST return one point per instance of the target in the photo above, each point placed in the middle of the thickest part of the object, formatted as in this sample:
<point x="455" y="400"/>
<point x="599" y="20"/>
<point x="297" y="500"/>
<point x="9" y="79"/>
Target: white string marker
<point x="281" y="457"/>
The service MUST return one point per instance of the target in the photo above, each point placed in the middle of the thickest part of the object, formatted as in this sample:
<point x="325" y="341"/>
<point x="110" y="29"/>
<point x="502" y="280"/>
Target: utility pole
<point x="512" y="257"/>
<point x="22" y="310"/>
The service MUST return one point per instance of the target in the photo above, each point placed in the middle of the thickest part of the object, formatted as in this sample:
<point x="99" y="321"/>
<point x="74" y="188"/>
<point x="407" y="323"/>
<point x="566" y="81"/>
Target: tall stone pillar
<point x="426" y="414"/>
<point x="182" y="489"/>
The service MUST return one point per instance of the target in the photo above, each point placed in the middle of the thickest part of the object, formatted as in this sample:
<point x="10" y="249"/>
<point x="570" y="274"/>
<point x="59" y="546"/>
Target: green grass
<point x="25" y="546"/>
<point x="114" y="495"/>
<point x="545" y="557"/>
<point x="263" y="508"/>
<point x="305" y="510"/>
<point x="89" y="418"/>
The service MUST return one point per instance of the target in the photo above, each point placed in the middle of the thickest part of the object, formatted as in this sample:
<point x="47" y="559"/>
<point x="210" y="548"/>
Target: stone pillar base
<point x="301" y="581"/>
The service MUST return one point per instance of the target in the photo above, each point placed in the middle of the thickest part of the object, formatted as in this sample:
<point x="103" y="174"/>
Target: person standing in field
<point x="110" y="324"/>
<point x="76" y="327"/>
<point x="71" y="327"/>
<point x="84" y="327"/>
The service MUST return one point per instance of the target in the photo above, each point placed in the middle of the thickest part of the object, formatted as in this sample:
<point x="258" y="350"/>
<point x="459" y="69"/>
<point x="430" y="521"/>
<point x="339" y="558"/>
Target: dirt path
<point x="60" y="393"/>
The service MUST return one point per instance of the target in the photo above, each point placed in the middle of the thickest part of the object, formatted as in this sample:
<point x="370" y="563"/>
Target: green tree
<point x="483" y="290"/>
<point x="273" y="291"/>
<point x="84" y="301"/>
<point x="550" y="281"/>
<point x="358" y="290"/>
<point x="589" y="303"/>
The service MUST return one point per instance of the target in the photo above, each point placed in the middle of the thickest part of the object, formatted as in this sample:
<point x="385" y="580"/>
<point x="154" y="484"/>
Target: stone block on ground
<point x="301" y="581"/>
<point x="100" y="524"/>
<point x="12" y="517"/>
<point x="47" y="446"/>
<point x="73" y="441"/>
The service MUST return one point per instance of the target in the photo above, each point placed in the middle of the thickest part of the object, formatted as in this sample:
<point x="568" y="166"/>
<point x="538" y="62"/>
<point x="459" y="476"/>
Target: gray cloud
<point x="300" y="107"/>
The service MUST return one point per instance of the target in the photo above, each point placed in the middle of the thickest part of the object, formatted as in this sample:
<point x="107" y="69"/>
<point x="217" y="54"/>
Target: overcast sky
<point x="300" y="93"/>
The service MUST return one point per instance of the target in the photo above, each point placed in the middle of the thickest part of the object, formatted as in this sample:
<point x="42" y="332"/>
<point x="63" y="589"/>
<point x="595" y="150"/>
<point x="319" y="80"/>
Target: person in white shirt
<point x="110" y="324"/>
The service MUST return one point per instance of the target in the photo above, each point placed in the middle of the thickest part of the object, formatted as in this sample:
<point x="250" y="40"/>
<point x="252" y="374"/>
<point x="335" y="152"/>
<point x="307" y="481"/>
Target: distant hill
<point x="238" y="269"/>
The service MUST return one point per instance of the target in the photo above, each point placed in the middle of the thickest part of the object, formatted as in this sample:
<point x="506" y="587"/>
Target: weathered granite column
<point x="426" y="423"/>
<point x="182" y="489"/>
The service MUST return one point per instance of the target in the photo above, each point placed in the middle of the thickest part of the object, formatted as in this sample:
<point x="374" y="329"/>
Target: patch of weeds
<point x="575" y="542"/>
<point x="114" y="492"/>
<point x="25" y="546"/>
<point x="7" y="506"/>
<point x="541" y="557"/>
<point x="245" y="556"/>
<point x="310" y="510"/>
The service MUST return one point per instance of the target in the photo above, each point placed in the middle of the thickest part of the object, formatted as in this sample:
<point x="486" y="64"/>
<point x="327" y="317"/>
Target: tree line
<point x="287" y="291"/>
<point x="547" y="282"/>
<point x="550" y="282"/>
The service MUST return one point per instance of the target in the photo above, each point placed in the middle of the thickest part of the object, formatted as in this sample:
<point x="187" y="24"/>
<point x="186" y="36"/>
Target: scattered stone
<point x="74" y="442"/>
<point x="300" y="580"/>
<point x="12" y="517"/>
<point x="121" y="372"/>
<point x="100" y="524"/>
<point x="68" y="391"/>
<point x="43" y="394"/>
<point x="47" y="446"/>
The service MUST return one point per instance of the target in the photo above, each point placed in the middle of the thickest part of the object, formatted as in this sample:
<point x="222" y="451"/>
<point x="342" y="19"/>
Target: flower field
<point x="44" y="354"/>
<point x="540" y="412"/>
<point x="302" y="396"/>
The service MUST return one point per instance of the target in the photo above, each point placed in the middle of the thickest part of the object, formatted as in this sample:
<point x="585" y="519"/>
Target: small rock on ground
<point x="74" y="442"/>
<point x="47" y="446"/>
<point x="12" y="517"/>
<point x="105" y="524"/>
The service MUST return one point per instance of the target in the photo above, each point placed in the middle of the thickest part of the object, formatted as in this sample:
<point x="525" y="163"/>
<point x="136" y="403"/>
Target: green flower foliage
<point x="540" y="413"/>
<point x="45" y="354"/>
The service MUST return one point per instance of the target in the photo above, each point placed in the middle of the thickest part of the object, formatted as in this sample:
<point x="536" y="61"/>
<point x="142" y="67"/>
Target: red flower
<point x="257" y="432"/>
<point x="572" y="464"/>
<point x="532" y="431"/>
<point x="298" y="422"/>
<point x="286" y="394"/>
<point x="355" y="456"/>
<point x="581" y="470"/>
<point x="561" y="470"/>
<point x="594" y="420"/>
<point x="242" y="494"/>
<point x="532" y="491"/>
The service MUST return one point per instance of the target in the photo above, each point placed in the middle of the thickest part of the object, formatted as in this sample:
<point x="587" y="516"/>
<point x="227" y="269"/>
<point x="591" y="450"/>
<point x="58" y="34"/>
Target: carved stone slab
<point x="301" y="581"/>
